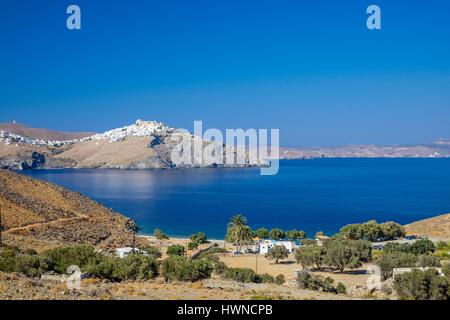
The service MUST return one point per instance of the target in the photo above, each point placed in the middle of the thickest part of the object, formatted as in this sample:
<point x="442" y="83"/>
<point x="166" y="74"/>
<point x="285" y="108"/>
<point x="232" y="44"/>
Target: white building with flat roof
<point x="266" y="245"/>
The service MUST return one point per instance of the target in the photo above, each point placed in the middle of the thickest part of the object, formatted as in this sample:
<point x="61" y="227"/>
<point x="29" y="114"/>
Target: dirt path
<point x="40" y="224"/>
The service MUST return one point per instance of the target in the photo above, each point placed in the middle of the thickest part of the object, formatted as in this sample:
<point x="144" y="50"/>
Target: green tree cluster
<point x="372" y="231"/>
<point x="336" y="253"/>
<point x="422" y="285"/>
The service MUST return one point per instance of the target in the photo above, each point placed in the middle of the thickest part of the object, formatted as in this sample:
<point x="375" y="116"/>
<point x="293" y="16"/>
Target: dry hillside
<point x="436" y="227"/>
<point x="44" y="134"/>
<point x="40" y="215"/>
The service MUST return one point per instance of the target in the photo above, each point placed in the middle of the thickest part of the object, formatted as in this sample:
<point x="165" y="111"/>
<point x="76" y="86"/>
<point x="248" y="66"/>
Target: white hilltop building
<point x="139" y="129"/>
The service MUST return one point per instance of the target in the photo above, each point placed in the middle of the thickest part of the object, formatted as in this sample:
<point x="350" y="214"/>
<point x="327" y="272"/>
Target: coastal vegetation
<point x="419" y="254"/>
<point x="175" y="250"/>
<point x="423" y="285"/>
<point x="338" y="254"/>
<point x="372" y="231"/>
<point x="238" y="232"/>
<point x="159" y="234"/>
<point x="184" y="269"/>
<point x="306" y="280"/>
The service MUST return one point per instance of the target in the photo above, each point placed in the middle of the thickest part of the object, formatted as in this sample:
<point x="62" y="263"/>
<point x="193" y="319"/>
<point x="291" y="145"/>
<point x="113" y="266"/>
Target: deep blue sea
<point x="311" y="195"/>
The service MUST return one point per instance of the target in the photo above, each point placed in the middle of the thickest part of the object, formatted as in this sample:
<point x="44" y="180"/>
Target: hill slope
<point x="436" y="227"/>
<point x="43" y="134"/>
<point x="39" y="215"/>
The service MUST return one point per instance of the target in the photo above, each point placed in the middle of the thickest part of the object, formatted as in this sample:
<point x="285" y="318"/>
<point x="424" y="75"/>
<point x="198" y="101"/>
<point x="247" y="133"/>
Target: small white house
<point x="266" y="245"/>
<point x="124" y="252"/>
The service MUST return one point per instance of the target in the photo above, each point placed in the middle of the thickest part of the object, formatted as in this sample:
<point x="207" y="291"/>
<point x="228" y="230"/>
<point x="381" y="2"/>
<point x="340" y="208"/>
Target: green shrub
<point x="175" y="250"/>
<point x="308" y="242"/>
<point x="306" y="280"/>
<point x="199" y="238"/>
<point x="245" y="275"/>
<point x="267" y="278"/>
<point x="132" y="267"/>
<point x="59" y="259"/>
<point x="192" y="245"/>
<point x="183" y="269"/>
<point x="279" y="279"/>
<point x="220" y="268"/>
<point x="340" y="288"/>
<point x="159" y="234"/>
<point x="152" y="251"/>
<point x="422" y="285"/>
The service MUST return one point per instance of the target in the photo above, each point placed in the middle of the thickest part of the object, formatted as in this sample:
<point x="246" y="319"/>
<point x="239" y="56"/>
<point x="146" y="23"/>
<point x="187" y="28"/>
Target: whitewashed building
<point x="266" y="245"/>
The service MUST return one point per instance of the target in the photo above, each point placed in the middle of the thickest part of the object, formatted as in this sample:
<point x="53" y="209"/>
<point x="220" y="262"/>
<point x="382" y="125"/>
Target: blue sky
<point x="310" y="68"/>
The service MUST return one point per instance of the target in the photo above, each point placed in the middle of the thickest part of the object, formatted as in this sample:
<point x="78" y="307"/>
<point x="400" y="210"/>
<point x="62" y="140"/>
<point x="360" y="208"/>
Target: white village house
<point x="266" y="245"/>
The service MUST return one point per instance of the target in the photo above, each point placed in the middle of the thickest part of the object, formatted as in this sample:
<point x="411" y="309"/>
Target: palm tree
<point x="238" y="231"/>
<point x="132" y="226"/>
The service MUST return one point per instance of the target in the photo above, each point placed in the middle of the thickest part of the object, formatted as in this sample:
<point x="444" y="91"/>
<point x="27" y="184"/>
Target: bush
<point x="132" y="267"/>
<point x="340" y="288"/>
<point x="306" y="280"/>
<point x="192" y="245"/>
<point x="279" y="279"/>
<point x="29" y="265"/>
<point x="175" y="250"/>
<point x="59" y="259"/>
<point x="183" y="269"/>
<point x="267" y="278"/>
<point x="245" y="275"/>
<point x="159" y="234"/>
<point x="426" y="260"/>
<point x="220" y="268"/>
<point x="199" y="238"/>
<point x="152" y="251"/>
<point x="422" y="285"/>
<point x="309" y="242"/>
<point x="422" y="246"/>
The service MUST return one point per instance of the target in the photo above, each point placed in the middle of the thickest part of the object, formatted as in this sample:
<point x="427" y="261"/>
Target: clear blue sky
<point x="310" y="68"/>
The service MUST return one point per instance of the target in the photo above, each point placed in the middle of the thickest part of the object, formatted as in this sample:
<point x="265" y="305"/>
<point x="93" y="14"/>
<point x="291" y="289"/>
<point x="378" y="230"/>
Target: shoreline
<point x="179" y="238"/>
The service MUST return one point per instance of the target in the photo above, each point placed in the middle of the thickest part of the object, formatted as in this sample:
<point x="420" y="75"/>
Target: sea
<point x="310" y="195"/>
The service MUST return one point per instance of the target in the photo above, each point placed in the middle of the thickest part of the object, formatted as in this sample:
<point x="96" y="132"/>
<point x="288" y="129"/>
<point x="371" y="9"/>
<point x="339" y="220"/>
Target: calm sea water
<point x="312" y="195"/>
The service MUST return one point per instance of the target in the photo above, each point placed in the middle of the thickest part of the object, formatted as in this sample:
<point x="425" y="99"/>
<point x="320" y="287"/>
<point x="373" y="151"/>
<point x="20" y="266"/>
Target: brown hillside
<point x="436" y="227"/>
<point x="39" y="215"/>
<point x="44" y="134"/>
